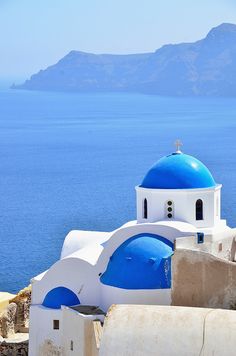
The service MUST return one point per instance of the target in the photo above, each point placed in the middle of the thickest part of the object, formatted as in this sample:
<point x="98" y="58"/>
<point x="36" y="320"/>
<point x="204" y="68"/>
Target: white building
<point x="178" y="202"/>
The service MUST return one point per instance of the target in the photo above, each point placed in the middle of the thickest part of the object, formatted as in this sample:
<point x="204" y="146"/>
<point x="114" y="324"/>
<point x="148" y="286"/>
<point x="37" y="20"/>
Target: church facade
<point x="178" y="200"/>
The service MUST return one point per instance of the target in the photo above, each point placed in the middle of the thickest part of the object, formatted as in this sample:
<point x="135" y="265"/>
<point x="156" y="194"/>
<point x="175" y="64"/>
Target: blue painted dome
<point x="141" y="262"/>
<point x="178" y="171"/>
<point x="59" y="296"/>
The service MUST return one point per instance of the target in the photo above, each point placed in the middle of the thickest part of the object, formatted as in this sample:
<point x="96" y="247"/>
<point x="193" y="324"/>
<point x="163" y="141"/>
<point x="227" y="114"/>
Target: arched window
<point x="199" y="209"/>
<point x="145" y="209"/>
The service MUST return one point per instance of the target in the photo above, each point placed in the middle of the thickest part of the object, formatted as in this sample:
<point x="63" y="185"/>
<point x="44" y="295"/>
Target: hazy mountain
<point x="206" y="67"/>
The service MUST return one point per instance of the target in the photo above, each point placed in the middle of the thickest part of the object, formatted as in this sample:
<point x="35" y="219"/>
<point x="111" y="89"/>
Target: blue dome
<point x="178" y="171"/>
<point x="141" y="262"/>
<point x="59" y="296"/>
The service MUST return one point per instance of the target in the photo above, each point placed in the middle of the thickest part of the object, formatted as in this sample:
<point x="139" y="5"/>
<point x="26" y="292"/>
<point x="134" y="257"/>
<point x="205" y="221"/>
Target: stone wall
<point x="14" y="349"/>
<point x="200" y="279"/>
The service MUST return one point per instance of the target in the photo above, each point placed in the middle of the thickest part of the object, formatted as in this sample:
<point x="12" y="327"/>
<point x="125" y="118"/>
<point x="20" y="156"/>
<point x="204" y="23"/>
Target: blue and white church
<point x="178" y="200"/>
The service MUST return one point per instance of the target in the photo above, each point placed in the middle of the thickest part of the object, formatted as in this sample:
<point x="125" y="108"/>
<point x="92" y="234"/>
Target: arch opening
<point x="199" y="209"/>
<point x="145" y="209"/>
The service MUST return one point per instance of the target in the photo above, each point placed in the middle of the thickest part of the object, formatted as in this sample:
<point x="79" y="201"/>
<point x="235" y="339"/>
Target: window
<point x="145" y="209"/>
<point x="200" y="238"/>
<point x="71" y="345"/>
<point x="56" y="324"/>
<point x="199" y="209"/>
<point x="169" y="209"/>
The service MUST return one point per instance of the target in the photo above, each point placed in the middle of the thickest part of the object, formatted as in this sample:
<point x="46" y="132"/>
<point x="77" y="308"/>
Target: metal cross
<point x="178" y="144"/>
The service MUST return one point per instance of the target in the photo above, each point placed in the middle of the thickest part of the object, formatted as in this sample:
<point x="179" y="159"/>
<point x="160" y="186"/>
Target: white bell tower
<point x="179" y="187"/>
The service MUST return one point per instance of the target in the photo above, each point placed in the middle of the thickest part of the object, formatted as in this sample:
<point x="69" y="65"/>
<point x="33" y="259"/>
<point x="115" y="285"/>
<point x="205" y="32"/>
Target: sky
<point x="37" y="33"/>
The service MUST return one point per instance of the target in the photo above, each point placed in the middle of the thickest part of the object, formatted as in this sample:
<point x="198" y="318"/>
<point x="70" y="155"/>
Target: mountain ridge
<point x="206" y="67"/>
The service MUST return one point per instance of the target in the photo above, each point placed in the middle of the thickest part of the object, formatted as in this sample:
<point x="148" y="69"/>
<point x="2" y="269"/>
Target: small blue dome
<point x="178" y="171"/>
<point x="59" y="296"/>
<point x="141" y="262"/>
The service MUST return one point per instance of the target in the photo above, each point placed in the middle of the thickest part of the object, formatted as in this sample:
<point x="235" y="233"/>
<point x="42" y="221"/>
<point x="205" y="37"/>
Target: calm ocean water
<point x="71" y="161"/>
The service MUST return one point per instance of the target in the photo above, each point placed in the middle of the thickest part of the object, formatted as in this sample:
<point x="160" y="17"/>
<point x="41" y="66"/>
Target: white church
<point x="178" y="200"/>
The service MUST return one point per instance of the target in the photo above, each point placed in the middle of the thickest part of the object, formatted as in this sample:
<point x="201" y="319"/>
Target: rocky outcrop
<point x="15" y="318"/>
<point x="14" y="325"/>
<point x="22" y="300"/>
<point x="8" y="320"/>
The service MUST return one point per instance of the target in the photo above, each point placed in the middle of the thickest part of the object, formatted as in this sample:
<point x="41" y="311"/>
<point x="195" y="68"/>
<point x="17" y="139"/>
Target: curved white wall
<point x="133" y="296"/>
<point x="81" y="271"/>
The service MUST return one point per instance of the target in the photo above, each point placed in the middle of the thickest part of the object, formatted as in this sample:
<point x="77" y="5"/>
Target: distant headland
<point x="203" y="68"/>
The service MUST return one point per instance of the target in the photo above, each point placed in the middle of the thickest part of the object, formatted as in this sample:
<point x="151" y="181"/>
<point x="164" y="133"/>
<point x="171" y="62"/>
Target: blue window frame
<point x="200" y="237"/>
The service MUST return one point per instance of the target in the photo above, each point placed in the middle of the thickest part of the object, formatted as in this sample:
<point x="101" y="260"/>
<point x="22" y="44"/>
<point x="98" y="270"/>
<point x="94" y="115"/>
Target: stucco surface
<point x="77" y="239"/>
<point x="167" y="331"/>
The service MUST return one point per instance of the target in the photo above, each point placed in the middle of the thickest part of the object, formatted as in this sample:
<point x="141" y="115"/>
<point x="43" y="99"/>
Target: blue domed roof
<point x="59" y="296"/>
<point x="178" y="171"/>
<point x="141" y="262"/>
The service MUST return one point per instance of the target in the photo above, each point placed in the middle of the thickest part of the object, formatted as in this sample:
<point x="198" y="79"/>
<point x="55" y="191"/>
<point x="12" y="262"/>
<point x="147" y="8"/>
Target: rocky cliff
<point x="204" y="68"/>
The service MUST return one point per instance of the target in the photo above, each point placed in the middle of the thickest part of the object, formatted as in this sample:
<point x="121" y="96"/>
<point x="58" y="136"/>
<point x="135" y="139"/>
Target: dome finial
<point x="178" y="144"/>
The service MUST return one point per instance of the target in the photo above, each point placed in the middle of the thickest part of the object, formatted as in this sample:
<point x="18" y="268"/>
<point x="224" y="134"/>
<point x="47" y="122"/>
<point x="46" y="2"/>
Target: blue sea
<point x="71" y="161"/>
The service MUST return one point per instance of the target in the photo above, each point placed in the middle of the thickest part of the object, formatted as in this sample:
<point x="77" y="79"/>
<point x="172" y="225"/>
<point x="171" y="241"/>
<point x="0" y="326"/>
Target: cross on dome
<point x="178" y="144"/>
